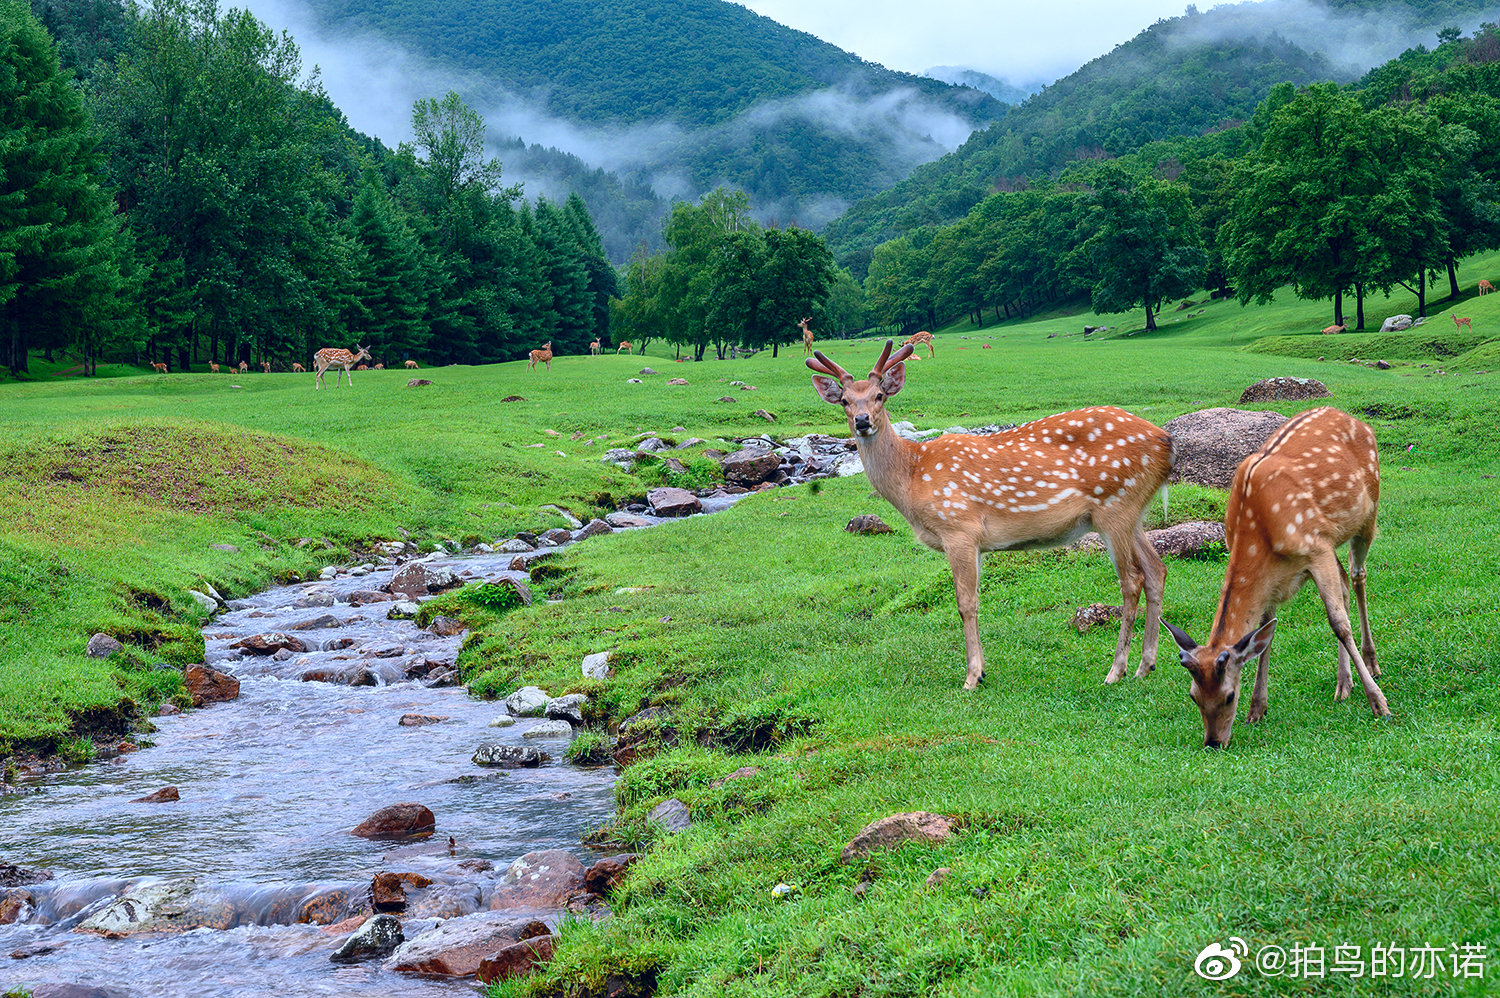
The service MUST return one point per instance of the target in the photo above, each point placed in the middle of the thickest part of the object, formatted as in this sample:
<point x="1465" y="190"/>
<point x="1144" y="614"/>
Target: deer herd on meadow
<point x="1312" y="487"/>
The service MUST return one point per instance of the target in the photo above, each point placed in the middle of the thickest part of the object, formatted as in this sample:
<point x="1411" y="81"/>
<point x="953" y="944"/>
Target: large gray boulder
<point x="528" y="701"/>
<point x="673" y="502"/>
<point x="417" y="580"/>
<point x="1209" y="444"/>
<point x="376" y="938"/>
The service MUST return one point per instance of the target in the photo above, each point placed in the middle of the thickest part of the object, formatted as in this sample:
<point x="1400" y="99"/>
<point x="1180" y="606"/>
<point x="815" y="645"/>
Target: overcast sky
<point x="1010" y="39"/>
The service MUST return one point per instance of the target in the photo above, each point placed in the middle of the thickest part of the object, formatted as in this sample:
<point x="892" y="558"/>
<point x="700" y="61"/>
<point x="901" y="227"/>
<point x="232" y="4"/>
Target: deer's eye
<point x="880" y="396"/>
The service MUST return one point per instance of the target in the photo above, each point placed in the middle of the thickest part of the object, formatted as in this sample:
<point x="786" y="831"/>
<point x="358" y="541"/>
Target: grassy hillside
<point x="1100" y="848"/>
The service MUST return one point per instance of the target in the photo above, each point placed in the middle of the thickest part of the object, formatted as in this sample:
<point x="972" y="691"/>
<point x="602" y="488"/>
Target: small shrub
<point x="589" y="748"/>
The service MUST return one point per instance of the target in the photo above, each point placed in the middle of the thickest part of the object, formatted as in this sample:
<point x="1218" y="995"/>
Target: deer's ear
<point x="1254" y="644"/>
<point x="1185" y="645"/>
<point x="830" y="389"/>
<point x="894" y="379"/>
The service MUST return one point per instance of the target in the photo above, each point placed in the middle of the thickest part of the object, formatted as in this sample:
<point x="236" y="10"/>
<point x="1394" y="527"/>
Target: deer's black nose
<point x="861" y="422"/>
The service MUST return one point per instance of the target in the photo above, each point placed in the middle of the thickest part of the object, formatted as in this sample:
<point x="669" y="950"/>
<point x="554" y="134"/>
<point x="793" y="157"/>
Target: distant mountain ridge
<point x="1181" y="76"/>
<point x="674" y="96"/>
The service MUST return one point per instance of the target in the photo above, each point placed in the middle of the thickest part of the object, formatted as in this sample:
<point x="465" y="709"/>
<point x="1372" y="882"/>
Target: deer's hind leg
<point x="1155" y="582"/>
<point x="1122" y="551"/>
<point x="1327" y="575"/>
<point x="1359" y="549"/>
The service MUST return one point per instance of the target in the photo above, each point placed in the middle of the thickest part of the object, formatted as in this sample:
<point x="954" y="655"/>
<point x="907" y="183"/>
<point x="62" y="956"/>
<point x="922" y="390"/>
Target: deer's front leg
<point x="963" y="559"/>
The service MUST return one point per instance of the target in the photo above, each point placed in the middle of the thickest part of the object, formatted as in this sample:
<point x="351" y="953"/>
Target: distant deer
<point x="244" y="367"/>
<point x="298" y="369"/>
<point x="159" y="368"/>
<point x="213" y="368"/>
<point x="331" y="356"/>
<point x="807" y="336"/>
<point x="363" y="367"/>
<point x="542" y="356"/>
<point x="1461" y="323"/>
<point x="1485" y="287"/>
<point x="265" y="366"/>
<point x="1039" y="485"/>
<point x="1330" y="330"/>
<point x="624" y="347"/>
<point x="1312" y="486"/>
<point x="919" y="338"/>
<point x="380" y="367"/>
<point x="411" y="365"/>
<point x="594" y="348"/>
<point x="985" y="347"/>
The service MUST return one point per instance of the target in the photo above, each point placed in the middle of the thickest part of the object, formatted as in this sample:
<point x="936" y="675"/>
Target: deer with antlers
<point x="807" y="336"/>
<point x="594" y="348"/>
<point x="1312" y="486"/>
<point x="917" y="339"/>
<point x="542" y="356"/>
<point x="1036" y="486"/>
<point x="336" y="356"/>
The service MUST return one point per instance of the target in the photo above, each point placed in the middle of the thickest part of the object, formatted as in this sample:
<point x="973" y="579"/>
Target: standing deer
<point x="1485" y="287"/>
<point x="265" y="366"/>
<point x="330" y="356"/>
<point x="159" y="368"/>
<point x="625" y="346"/>
<point x="1461" y="323"/>
<point x="298" y="369"/>
<point x="244" y="367"/>
<point x="213" y="368"/>
<point x="807" y="336"/>
<point x="411" y="365"/>
<point x="1036" y="486"/>
<point x="594" y="348"/>
<point x="1312" y="486"/>
<point x="380" y="367"/>
<point x="542" y="356"/>
<point x="917" y="339"/>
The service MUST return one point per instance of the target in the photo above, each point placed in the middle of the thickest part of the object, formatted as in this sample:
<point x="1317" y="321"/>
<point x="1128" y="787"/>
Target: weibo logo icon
<point x="1218" y="963"/>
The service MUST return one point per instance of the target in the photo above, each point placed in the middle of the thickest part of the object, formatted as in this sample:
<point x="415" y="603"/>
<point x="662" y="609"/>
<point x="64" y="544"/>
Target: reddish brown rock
<point x="360" y="596"/>
<point x="607" y="873"/>
<point x="887" y="833"/>
<point x="1086" y="618"/>
<point x="867" y="523"/>
<point x="160" y="797"/>
<point x="516" y="960"/>
<point x="15" y="905"/>
<point x="207" y="685"/>
<point x="456" y="947"/>
<point x="739" y="774"/>
<point x="399" y="821"/>
<point x="387" y="892"/>
<point x="419" y="720"/>
<point x="446" y="627"/>
<point x="343" y="928"/>
<point x="331" y="906"/>
<point x="542" y="879"/>
<point x="269" y="644"/>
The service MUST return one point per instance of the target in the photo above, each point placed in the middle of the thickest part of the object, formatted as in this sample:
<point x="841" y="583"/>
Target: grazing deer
<point x="330" y="356"/>
<point x="985" y="347"/>
<point x="1311" y="487"/>
<point x="298" y="368"/>
<point x="625" y="346"/>
<point x="1461" y="323"/>
<point x="542" y="356"/>
<point x="594" y="348"/>
<point x="411" y="365"/>
<point x="1036" y="486"/>
<point x="244" y="367"/>
<point x="363" y="367"/>
<point x="213" y="368"/>
<point x="807" y="336"/>
<point x="265" y="366"/>
<point x="1485" y="287"/>
<point x="917" y="339"/>
<point x="159" y="368"/>
<point x="380" y="367"/>
<point x="1331" y="330"/>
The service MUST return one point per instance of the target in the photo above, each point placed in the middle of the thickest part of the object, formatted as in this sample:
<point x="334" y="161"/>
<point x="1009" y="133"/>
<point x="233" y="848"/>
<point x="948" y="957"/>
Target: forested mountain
<point x="676" y="97"/>
<point x="1179" y="77"/>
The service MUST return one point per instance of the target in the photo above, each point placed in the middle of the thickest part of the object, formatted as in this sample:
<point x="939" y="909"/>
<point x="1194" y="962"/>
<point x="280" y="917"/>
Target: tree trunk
<point x="1150" y="318"/>
<point x="1452" y="279"/>
<point x="1422" y="292"/>
<point x="1359" y="306"/>
<point x="1338" y="308"/>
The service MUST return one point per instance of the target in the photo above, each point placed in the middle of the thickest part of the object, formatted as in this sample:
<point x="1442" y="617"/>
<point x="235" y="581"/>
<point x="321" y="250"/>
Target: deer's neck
<point x="888" y="461"/>
<point x="1245" y="596"/>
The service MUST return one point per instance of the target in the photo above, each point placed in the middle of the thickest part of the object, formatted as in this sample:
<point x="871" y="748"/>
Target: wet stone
<point x="397" y="821"/>
<point x="161" y="796"/>
<point x="316" y="623"/>
<point x="501" y="756"/>
<point x="445" y="627"/>
<point x="419" y="720"/>
<point x="377" y="937"/>
<point x="207" y="685"/>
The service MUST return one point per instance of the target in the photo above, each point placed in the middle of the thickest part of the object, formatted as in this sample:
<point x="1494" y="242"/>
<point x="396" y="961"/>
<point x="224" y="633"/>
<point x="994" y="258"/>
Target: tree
<point x="1139" y="242"/>
<point x="60" y="279"/>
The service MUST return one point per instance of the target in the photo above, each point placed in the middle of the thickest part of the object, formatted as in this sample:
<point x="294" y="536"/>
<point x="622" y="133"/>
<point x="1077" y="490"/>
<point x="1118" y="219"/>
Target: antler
<point x="823" y="365"/>
<point x="887" y="360"/>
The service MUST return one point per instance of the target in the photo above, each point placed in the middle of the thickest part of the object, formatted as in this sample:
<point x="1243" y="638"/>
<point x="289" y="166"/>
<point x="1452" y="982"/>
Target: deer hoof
<point x="973" y="679"/>
<point x="1257" y="712"/>
<point x="1114" y="676"/>
<point x="1341" y="692"/>
<point x="1144" y="670"/>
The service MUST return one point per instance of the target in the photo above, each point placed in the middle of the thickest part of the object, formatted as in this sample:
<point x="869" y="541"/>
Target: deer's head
<point x="863" y="401"/>
<point x="362" y="353"/>
<point x="1215" y="669"/>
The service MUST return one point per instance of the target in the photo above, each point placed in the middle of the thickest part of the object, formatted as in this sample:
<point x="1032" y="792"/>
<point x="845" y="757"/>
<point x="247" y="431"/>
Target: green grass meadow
<point x="1100" y="847"/>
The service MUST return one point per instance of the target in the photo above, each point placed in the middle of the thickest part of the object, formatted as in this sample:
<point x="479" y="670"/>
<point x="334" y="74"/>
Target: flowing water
<point x="270" y="786"/>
